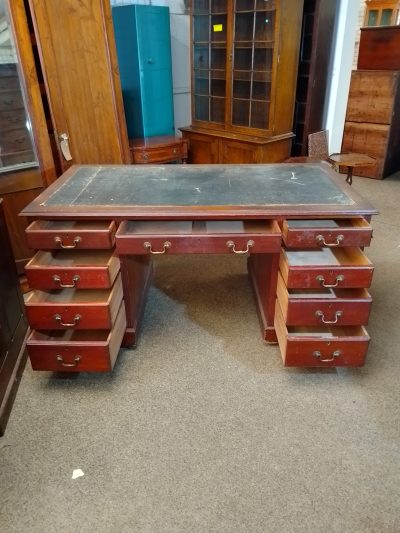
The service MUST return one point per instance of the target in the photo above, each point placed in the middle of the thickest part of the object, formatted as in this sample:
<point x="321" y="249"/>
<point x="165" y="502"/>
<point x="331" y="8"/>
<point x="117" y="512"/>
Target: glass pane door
<point x="253" y="50"/>
<point x="209" y="59"/>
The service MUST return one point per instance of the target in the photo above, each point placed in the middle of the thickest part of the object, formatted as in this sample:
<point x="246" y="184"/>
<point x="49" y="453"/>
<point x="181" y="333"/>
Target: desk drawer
<point x="158" y="155"/>
<point x="77" y="350"/>
<point x="179" y="237"/>
<point x="74" y="308"/>
<point x="57" y="234"/>
<point x="321" y="346"/>
<point x="330" y="268"/>
<point x="326" y="233"/>
<point x="81" y="269"/>
<point x="314" y="307"/>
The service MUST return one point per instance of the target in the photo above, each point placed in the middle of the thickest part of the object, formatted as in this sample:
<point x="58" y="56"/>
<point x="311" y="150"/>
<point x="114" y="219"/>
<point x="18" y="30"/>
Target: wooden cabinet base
<point x="211" y="146"/>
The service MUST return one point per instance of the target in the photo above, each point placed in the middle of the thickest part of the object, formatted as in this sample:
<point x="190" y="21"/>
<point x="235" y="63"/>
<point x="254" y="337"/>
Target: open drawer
<point x="74" y="308"/>
<point x="70" y="234"/>
<point x="320" y="346"/>
<point x="329" y="268"/>
<point x="314" y="307"/>
<point x="201" y="237"/>
<point x="81" y="269"/>
<point x="77" y="350"/>
<point x="326" y="233"/>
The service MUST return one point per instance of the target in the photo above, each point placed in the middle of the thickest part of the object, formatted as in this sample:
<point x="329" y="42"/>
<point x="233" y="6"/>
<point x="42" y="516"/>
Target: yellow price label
<point x="217" y="27"/>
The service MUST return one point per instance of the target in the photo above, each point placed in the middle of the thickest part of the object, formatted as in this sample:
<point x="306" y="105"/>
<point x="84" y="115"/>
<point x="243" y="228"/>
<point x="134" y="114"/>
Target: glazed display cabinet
<point x="244" y="71"/>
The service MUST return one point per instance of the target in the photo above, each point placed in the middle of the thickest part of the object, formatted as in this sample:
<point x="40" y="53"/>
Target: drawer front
<point x="9" y="83"/>
<point x="167" y="153"/>
<point x="336" y="346"/>
<point x="302" y="307"/>
<point x="64" y="234"/>
<point x="218" y="237"/>
<point x="11" y="100"/>
<point x="326" y="233"/>
<point x="74" y="308"/>
<point x="72" y="269"/>
<point x="341" y="268"/>
<point x="77" y="351"/>
<point x="15" y="140"/>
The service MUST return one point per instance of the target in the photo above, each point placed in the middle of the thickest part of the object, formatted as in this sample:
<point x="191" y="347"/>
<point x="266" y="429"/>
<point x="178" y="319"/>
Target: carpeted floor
<point x="201" y="429"/>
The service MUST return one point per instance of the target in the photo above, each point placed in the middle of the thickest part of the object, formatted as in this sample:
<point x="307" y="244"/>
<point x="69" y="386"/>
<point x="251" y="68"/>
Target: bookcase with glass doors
<point x="244" y="71"/>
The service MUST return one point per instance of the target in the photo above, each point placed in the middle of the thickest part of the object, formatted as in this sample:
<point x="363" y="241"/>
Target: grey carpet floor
<point x="201" y="429"/>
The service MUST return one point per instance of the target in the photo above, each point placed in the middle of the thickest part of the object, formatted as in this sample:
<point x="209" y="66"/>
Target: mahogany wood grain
<point x="352" y="266"/>
<point x="304" y="308"/>
<point x="346" y="346"/>
<point x="77" y="350"/>
<point x="79" y="308"/>
<point x="159" y="149"/>
<point x="349" y="232"/>
<point x="53" y="234"/>
<point x="92" y="269"/>
<point x="379" y="48"/>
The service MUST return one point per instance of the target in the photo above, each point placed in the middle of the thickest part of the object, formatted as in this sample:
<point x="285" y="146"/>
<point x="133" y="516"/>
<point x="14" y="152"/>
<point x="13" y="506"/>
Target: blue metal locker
<point x="143" y="41"/>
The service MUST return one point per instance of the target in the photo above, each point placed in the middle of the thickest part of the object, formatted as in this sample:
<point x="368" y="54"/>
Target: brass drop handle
<point x="149" y="248"/>
<point x="75" y="280"/>
<point x="335" y="354"/>
<point x="232" y="247"/>
<point x="59" y="320"/>
<point x="321" y="280"/>
<point x="320" y="239"/>
<point x="320" y="314"/>
<point x="60" y="360"/>
<point x="58" y="242"/>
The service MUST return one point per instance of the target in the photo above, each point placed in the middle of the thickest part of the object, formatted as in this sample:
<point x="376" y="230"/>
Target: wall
<point x="180" y="45"/>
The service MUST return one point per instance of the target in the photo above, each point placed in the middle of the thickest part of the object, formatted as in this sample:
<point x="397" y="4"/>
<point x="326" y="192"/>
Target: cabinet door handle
<point x="320" y="240"/>
<point x="60" y="360"/>
<point x="59" y="320"/>
<point x="320" y="314"/>
<point x="58" y="241"/>
<point x="64" y="145"/>
<point x="75" y="280"/>
<point x="231" y="245"/>
<point x="149" y="248"/>
<point x="321" y="280"/>
<point x="318" y="355"/>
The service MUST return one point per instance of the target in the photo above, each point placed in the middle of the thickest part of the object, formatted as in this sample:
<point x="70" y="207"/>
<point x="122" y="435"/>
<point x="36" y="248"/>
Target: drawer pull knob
<point x="75" y="280"/>
<point x="321" y="280"/>
<point x="149" y="248"/>
<point x="231" y="246"/>
<point x="58" y="319"/>
<point x="61" y="361"/>
<point x="321" y="241"/>
<point x="320" y="314"/>
<point x="59" y="243"/>
<point x="318" y="354"/>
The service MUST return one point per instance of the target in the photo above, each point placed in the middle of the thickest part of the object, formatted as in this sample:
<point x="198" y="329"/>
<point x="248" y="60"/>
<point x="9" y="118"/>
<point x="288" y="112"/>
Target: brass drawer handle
<point x="59" y="242"/>
<point x="58" y="319"/>
<point x="75" y="280"/>
<point x="318" y="354"/>
<point x="149" y="248"/>
<point x="321" y="280"/>
<point x="321" y="241"/>
<point x="231" y="246"/>
<point x="61" y="361"/>
<point x="321" y="315"/>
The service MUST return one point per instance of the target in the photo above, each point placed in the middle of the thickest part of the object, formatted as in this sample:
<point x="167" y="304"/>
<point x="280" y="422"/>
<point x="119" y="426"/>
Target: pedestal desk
<point x="97" y="227"/>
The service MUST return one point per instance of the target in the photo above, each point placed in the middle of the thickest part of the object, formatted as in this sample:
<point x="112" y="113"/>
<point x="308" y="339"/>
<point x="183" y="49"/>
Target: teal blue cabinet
<point x="142" y="36"/>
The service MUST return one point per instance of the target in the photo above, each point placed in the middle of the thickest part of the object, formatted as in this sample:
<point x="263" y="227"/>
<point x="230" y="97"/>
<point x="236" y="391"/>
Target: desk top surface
<point x="198" y="191"/>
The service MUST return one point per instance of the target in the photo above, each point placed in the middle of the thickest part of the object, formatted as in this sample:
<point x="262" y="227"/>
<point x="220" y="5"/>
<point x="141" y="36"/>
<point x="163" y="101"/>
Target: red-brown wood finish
<point x="353" y="232"/>
<point x="379" y="47"/>
<point x="55" y="235"/>
<point x="159" y="149"/>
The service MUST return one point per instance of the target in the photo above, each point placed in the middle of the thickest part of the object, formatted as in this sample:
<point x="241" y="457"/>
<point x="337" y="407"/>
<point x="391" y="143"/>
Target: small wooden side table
<point x="160" y="149"/>
<point x="351" y="161"/>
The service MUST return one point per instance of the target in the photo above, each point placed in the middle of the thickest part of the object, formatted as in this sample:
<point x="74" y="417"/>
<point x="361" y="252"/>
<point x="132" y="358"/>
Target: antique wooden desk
<point x="95" y="231"/>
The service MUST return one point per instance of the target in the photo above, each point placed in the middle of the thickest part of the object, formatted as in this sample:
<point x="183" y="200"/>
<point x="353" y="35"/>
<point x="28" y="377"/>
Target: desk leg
<point x="136" y="271"/>
<point x="263" y="271"/>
